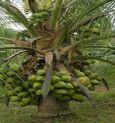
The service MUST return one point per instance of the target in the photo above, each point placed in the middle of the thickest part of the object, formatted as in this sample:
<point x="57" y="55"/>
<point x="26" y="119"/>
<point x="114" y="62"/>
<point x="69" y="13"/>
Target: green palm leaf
<point x="17" y="15"/>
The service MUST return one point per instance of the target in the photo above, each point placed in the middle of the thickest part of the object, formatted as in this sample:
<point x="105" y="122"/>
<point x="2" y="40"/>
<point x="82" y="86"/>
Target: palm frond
<point x="77" y="10"/>
<point x="90" y="10"/>
<point x="14" y="41"/>
<point x="17" y="15"/>
<point x="99" y="59"/>
<point x="14" y="55"/>
<point x="20" y="48"/>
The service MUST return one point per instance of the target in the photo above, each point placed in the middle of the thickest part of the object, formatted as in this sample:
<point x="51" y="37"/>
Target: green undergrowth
<point x="103" y="112"/>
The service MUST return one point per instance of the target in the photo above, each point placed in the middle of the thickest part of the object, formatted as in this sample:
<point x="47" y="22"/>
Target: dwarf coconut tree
<point x="58" y="40"/>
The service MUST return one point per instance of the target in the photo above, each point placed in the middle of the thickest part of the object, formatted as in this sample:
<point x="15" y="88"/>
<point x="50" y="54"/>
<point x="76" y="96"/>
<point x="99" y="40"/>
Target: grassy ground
<point x="104" y="112"/>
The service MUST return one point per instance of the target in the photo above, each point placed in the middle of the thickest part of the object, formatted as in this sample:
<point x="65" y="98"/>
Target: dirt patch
<point x="103" y="89"/>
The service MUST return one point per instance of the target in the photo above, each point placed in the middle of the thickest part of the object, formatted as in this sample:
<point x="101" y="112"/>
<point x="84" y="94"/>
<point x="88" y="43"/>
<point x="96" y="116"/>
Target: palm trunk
<point x="50" y="107"/>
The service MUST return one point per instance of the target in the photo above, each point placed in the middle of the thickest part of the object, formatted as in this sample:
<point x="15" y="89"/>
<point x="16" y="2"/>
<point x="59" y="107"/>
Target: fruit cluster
<point x="88" y="31"/>
<point x="94" y="29"/>
<point x="27" y="90"/>
<point x="87" y="78"/>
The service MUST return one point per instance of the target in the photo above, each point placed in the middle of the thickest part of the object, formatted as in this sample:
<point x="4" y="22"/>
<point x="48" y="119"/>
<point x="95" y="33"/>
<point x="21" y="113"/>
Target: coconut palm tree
<point x="59" y="31"/>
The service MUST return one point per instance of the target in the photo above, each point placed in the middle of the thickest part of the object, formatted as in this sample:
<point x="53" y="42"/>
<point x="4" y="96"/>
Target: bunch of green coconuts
<point x="86" y="32"/>
<point x="27" y="90"/>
